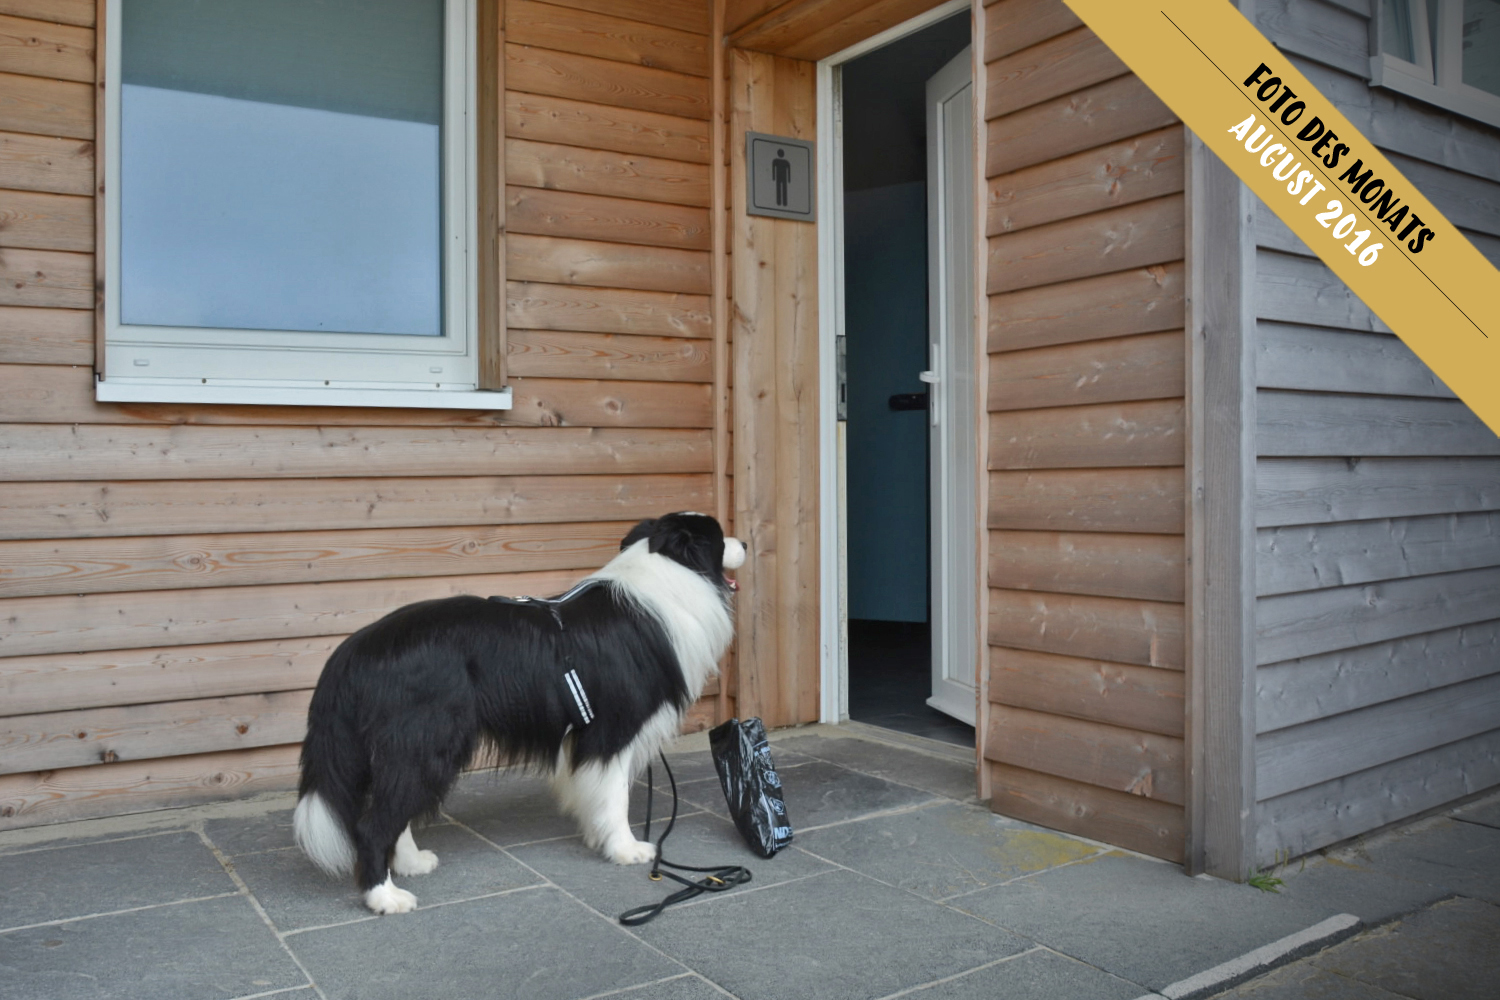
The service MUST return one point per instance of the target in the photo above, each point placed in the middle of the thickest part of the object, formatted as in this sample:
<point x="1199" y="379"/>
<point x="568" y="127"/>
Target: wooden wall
<point x="173" y="576"/>
<point x="1086" y="443"/>
<point x="1377" y="512"/>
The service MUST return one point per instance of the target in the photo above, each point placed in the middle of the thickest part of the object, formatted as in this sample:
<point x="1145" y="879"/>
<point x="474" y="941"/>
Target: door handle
<point x="931" y="378"/>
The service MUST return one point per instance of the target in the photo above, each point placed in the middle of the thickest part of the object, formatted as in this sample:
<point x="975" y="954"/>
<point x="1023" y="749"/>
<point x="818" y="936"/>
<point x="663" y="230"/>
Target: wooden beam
<point x="1103" y="756"/>
<point x="1059" y="65"/>
<point x="1145" y="366"/>
<point x="48" y="278"/>
<point x="1131" y="821"/>
<point x="1117" y="239"/>
<point x="604" y="81"/>
<point x="491" y="181"/>
<point x="540" y="306"/>
<point x="1144" y="433"/>
<point x="1129" y="500"/>
<point x="611" y="265"/>
<point x="684" y="15"/>
<point x="1119" y="694"/>
<point x="558" y="402"/>
<point x="46" y="107"/>
<point x="45" y="163"/>
<point x="1321" y="490"/>
<point x="46" y="48"/>
<point x="1018" y="24"/>
<point x="569" y="215"/>
<point x="1146" y="633"/>
<point x="600" y="126"/>
<point x="32" y="336"/>
<point x="1094" y="116"/>
<point x="607" y="356"/>
<point x="1149" y="567"/>
<point x="44" y="221"/>
<point x="599" y="33"/>
<point x="605" y="172"/>
<point x="1143" y="300"/>
<point x="62" y="11"/>
<point x="1292" y="424"/>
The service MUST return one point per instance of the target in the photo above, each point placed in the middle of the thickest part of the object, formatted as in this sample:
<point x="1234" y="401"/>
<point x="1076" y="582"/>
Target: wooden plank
<point x="44" y="221"/>
<point x="1094" y="116"/>
<point x="538" y="306"/>
<point x="684" y="15"/>
<point x="556" y="354"/>
<point x="1140" y="698"/>
<point x="140" y="786"/>
<point x="30" y="336"/>
<point x="1112" y="305"/>
<point x="489" y="253"/>
<point x="1306" y="755"/>
<point x="1290" y="356"/>
<point x="1321" y="31"/>
<point x="1130" y="500"/>
<point x="1473" y="200"/>
<point x="1117" y="239"/>
<point x="1320" y="490"/>
<point x="785" y="30"/>
<point x="603" y="81"/>
<point x="1131" y="821"/>
<point x="1315" y="817"/>
<point x="1303" y="290"/>
<point x="41" y="163"/>
<point x="556" y="402"/>
<point x="1124" y="760"/>
<point x="1272" y="233"/>
<point x="612" y="265"/>
<point x="1018" y="24"/>
<point x="603" y="172"/>
<point x="1313" y="556"/>
<point x="598" y="126"/>
<point x="70" y="681"/>
<point x="1059" y="65"/>
<point x="1302" y="691"/>
<point x="46" y="452"/>
<point x="48" y="278"/>
<point x="1146" y="366"/>
<point x="1149" y="567"/>
<point x="176" y="562"/>
<point x="144" y="732"/>
<point x="864" y="19"/>
<point x="46" y="49"/>
<point x="148" y="619"/>
<point x="1102" y="435"/>
<point x="46" y="107"/>
<point x="596" y="33"/>
<point x="1313" y="424"/>
<point x="110" y="509"/>
<point x="61" y="11"/>
<point x="1146" y="633"/>
<point x="570" y="215"/>
<point x="738" y="13"/>
<point x="1122" y="173"/>
<point x="1288" y="626"/>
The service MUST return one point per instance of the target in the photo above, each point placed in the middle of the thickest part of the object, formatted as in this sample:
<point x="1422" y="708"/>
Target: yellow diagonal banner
<point x="1326" y="181"/>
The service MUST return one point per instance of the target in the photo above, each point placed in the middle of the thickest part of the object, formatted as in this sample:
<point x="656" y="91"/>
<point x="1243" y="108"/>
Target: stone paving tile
<point x="536" y="944"/>
<point x="215" y="948"/>
<point x="819" y="792"/>
<point x="1348" y="883"/>
<point x="520" y="809"/>
<point x="1486" y="813"/>
<point x="271" y="831"/>
<point x="1415" y="957"/>
<point x="838" y="936"/>
<point x="1463" y="858"/>
<point x="1305" y="981"/>
<point x="945" y="849"/>
<point x="700" y="840"/>
<point x="683" y="988"/>
<point x="696" y="765"/>
<point x="1035" y="975"/>
<point x="77" y="880"/>
<point x="941" y="776"/>
<point x="295" y="894"/>
<point x="1142" y="920"/>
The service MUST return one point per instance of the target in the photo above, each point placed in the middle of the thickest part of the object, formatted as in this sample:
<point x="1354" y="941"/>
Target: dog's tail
<point x="322" y="836"/>
<point x="334" y="779"/>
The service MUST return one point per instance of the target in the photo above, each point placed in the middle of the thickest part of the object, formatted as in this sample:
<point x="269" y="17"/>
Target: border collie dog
<point x="588" y="686"/>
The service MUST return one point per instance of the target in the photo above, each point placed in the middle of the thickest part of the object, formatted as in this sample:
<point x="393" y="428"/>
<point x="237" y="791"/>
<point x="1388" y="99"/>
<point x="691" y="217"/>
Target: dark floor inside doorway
<point x="890" y="679"/>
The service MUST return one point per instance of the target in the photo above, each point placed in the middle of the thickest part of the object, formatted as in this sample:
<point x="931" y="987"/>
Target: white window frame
<point x="271" y="367"/>
<point x="1441" y="84"/>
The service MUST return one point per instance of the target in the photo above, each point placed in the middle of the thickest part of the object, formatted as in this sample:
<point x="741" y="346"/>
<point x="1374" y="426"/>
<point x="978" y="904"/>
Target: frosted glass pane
<point x="1481" y="45"/>
<point x="260" y="192"/>
<point x="1396" y="20"/>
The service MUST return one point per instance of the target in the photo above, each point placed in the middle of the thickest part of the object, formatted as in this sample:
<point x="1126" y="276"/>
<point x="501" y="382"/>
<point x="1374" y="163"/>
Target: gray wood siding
<point x="1377" y="499"/>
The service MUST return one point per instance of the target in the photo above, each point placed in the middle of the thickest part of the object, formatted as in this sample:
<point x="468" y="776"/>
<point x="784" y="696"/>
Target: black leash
<point x="717" y="879"/>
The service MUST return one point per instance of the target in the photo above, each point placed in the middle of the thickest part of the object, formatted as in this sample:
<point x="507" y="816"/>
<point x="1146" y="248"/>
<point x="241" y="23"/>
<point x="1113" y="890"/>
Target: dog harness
<point x="580" y="709"/>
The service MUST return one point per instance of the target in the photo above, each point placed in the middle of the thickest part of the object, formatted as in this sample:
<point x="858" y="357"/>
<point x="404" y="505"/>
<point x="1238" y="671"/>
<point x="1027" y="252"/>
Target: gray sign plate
<point x="780" y="177"/>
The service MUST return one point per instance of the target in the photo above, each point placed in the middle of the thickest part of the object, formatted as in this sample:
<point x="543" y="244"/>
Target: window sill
<point x="135" y="391"/>
<point x="1471" y="102"/>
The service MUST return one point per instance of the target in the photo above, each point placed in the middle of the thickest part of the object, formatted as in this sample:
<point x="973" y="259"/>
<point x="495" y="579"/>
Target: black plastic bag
<point x="752" y="787"/>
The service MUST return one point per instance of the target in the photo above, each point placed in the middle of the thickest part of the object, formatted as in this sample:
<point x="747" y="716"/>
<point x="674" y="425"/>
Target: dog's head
<point x="694" y="540"/>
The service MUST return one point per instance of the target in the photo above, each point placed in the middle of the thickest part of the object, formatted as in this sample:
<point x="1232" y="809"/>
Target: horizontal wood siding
<point x="172" y="577"/>
<point x="1378" y="501"/>
<point x="1086" y="382"/>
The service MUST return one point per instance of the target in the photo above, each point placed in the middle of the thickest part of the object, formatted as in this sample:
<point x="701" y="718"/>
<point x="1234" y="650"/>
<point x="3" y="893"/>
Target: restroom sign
<point x="780" y="177"/>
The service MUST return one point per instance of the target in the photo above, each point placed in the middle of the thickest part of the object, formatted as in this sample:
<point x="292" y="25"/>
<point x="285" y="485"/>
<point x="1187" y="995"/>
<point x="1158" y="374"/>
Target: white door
<point x="950" y="378"/>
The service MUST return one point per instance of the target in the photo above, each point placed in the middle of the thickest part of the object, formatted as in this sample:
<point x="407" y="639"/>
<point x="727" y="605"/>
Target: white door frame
<point x="833" y="592"/>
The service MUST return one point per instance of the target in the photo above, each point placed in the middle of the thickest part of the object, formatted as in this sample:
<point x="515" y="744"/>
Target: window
<point x="290" y="203"/>
<point x="1446" y="52"/>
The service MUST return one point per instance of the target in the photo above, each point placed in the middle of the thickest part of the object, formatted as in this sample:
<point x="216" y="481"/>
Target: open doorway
<point x="898" y="384"/>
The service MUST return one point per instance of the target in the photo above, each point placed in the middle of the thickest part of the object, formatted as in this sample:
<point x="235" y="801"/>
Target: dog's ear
<point x="642" y="530"/>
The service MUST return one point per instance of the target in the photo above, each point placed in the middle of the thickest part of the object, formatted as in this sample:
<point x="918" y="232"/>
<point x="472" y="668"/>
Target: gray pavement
<point x="898" y="884"/>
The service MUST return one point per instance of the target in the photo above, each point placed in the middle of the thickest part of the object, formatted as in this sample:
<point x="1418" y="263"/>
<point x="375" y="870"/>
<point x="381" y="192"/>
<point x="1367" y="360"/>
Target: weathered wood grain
<point x="557" y="402"/>
<point x="1142" y="167"/>
<point x="1123" y="760"/>
<point x="30" y="336"/>
<point x="599" y="126"/>
<point x="1320" y="490"/>
<point x="1303" y="290"/>
<point x="62" y="11"/>
<point x="1314" y="687"/>
<point x="1146" y="366"/>
<point x="561" y="354"/>
<point x="612" y="265"/>
<point x="1059" y="65"/>
<point x="1128" y="500"/>
<point x="1117" y="239"/>
<point x="1017" y="24"/>
<point x="596" y="33"/>
<point x="47" y="278"/>
<point x="43" y="163"/>
<point x="1288" y="626"/>
<point x="1140" y="698"/>
<point x="46" y="49"/>
<point x="1294" y="424"/>
<point x="539" y="306"/>
<point x="46" y="452"/>
<point x="1131" y="821"/>
<point x="862" y="19"/>
<point x="1149" y="567"/>
<point x="1094" y="116"/>
<point x="1473" y="202"/>
<point x="1332" y="36"/>
<point x="1308" y="358"/>
<point x="1145" y="633"/>
<point x="146" y="507"/>
<point x="569" y="215"/>
<point x="1143" y="433"/>
<point x="46" y="107"/>
<point x="1112" y="305"/>
<point x="43" y="221"/>
<point x="604" y="81"/>
<point x="605" y="172"/>
<point x="684" y="15"/>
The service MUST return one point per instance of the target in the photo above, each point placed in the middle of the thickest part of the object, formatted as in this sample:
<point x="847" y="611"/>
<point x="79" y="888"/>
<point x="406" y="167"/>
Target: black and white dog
<point x="587" y="685"/>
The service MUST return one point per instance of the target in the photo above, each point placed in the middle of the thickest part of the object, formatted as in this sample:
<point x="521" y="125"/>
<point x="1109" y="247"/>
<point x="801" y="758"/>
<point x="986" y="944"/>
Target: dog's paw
<point x="419" y="863"/>
<point x="631" y="852"/>
<point x="386" y="898"/>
